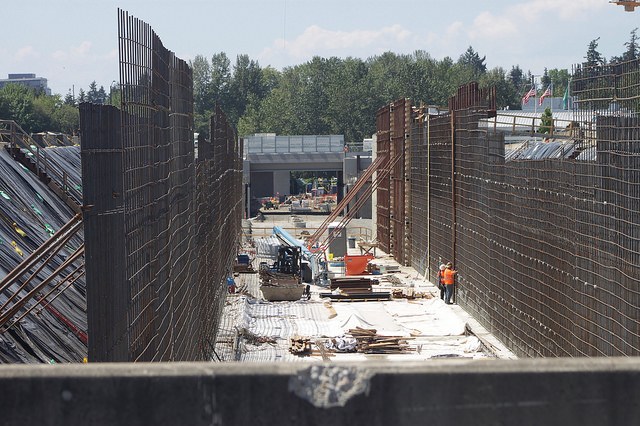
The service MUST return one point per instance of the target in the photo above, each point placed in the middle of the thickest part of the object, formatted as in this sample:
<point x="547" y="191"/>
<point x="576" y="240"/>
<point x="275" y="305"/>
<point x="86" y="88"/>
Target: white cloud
<point x="26" y="52"/>
<point x="80" y="64"/>
<point x="83" y="49"/>
<point x="487" y="25"/>
<point x="316" y="40"/>
<point x="73" y="53"/>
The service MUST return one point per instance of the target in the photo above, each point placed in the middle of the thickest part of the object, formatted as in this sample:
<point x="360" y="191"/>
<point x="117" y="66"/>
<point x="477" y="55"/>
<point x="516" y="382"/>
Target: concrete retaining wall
<point x="445" y="392"/>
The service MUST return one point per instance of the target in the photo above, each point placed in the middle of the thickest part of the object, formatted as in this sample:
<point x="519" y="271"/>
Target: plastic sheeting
<point x="68" y="158"/>
<point x="435" y="331"/>
<point x="30" y="213"/>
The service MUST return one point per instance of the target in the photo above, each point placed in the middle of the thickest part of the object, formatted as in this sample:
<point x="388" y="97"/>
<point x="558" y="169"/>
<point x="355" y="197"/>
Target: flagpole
<point x="535" y="95"/>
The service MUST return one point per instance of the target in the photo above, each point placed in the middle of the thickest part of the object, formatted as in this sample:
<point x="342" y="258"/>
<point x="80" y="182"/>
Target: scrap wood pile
<point x="362" y="340"/>
<point x="300" y="345"/>
<point x="410" y="293"/>
<point x="369" y="342"/>
<point x="304" y="346"/>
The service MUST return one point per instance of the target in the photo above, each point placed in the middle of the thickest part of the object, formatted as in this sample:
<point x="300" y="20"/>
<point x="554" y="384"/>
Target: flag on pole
<point x="530" y="93"/>
<point x="548" y="92"/>
<point x="565" y="98"/>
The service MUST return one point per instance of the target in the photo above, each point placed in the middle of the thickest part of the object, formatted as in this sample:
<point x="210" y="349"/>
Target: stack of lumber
<point x="358" y="297"/>
<point x="354" y="289"/>
<point x="300" y="345"/>
<point x="352" y="285"/>
<point x="369" y="342"/>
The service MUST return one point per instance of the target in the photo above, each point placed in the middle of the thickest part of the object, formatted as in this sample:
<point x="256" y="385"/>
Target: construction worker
<point x="449" y="280"/>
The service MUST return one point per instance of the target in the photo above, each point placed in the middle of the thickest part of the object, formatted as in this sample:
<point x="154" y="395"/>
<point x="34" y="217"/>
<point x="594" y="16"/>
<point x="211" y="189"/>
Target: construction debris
<point x="369" y="342"/>
<point x="300" y="346"/>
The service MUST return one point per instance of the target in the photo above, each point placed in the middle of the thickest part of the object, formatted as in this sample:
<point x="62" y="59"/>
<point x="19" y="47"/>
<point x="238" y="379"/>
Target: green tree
<point x="472" y="60"/>
<point x="16" y="103"/>
<point x="93" y="95"/>
<point x="560" y="80"/>
<point x="246" y="82"/>
<point x="69" y="99"/>
<point x="350" y="111"/>
<point x="115" y="95"/>
<point x="633" y="50"/>
<point x="546" y="121"/>
<point x="516" y="76"/>
<point x="211" y="86"/>
<point x="254" y="120"/>
<point x="506" y="94"/>
<point x="594" y="57"/>
<point x="545" y="80"/>
<point x="66" y="119"/>
<point x="388" y="78"/>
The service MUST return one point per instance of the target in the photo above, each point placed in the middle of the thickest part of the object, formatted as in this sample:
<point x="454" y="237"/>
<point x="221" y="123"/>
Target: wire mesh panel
<point x="169" y="292"/>
<point x="419" y="210"/>
<point x="393" y="140"/>
<point x="440" y="193"/>
<point x="547" y="247"/>
<point x="383" y="147"/>
<point x="219" y="180"/>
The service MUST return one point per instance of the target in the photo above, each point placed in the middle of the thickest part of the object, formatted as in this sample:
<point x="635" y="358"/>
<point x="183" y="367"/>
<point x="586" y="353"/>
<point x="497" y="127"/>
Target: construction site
<point x="139" y="289"/>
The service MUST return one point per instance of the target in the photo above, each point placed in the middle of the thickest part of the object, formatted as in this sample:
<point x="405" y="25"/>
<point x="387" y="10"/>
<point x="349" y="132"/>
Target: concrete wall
<point x="588" y="391"/>
<point x="282" y="182"/>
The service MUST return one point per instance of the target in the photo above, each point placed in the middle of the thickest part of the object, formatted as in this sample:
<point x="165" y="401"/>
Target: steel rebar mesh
<point x="548" y="250"/>
<point x="163" y="230"/>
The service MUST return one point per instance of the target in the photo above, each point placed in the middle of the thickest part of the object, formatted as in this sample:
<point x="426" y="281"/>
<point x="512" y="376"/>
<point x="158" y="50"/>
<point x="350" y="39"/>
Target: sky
<point x="74" y="42"/>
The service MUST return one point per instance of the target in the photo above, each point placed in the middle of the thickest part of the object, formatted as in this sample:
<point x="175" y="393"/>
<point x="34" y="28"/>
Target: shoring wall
<point x="160" y="240"/>
<point x="548" y="251"/>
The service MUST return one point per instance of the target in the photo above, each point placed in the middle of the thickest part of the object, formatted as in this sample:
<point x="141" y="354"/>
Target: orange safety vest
<point x="448" y="276"/>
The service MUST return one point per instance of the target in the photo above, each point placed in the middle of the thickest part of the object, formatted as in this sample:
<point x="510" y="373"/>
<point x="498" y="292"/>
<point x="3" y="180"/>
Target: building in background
<point x="29" y="80"/>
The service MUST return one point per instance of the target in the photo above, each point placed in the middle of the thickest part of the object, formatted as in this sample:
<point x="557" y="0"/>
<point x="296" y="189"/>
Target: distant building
<point x="29" y="80"/>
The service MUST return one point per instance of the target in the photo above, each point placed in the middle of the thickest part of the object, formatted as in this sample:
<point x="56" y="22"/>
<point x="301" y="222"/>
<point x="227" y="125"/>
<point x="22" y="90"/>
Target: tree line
<point x="322" y="96"/>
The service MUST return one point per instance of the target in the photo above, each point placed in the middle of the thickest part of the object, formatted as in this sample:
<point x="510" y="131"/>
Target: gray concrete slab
<point x="587" y="392"/>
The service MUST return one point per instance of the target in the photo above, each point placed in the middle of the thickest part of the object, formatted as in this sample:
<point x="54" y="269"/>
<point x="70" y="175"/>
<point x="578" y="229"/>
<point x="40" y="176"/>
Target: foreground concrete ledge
<point x="585" y="391"/>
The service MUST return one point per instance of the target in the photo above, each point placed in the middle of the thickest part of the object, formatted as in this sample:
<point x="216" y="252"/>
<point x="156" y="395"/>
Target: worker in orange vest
<point x="449" y="280"/>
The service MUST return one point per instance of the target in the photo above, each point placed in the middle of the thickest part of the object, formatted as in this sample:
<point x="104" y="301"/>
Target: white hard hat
<point x="443" y="267"/>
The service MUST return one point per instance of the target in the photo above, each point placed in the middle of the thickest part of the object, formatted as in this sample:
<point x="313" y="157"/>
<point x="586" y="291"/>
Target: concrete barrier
<point x="537" y="392"/>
